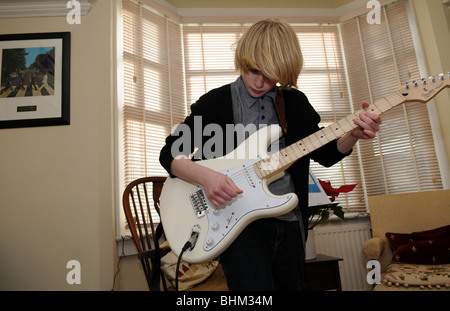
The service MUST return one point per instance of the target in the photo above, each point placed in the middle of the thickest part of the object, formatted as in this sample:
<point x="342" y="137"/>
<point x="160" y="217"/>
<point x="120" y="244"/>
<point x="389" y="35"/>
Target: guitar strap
<point x="279" y="107"/>
<point x="235" y="102"/>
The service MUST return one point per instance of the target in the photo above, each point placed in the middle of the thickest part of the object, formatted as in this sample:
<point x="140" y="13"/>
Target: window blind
<point x="324" y="83"/>
<point x="380" y="58"/>
<point x="209" y="57"/>
<point x="153" y="88"/>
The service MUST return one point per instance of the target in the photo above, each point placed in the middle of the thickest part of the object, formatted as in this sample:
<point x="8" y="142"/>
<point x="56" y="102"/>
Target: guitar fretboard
<point x="281" y="160"/>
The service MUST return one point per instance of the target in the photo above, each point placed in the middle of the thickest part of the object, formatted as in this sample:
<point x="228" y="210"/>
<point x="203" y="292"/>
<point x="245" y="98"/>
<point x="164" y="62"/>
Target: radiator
<point x="344" y="240"/>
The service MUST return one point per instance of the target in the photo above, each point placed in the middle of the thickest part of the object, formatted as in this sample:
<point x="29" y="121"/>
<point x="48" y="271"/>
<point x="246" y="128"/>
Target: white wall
<point x="56" y="183"/>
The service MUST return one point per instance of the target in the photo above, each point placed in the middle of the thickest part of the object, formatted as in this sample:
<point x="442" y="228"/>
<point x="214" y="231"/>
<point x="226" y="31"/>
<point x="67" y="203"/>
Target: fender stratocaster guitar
<point x="186" y="211"/>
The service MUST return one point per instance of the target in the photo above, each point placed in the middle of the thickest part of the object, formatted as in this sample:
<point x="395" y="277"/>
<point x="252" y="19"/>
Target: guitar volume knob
<point x="215" y="226"/>
<point x="210" y="241"/>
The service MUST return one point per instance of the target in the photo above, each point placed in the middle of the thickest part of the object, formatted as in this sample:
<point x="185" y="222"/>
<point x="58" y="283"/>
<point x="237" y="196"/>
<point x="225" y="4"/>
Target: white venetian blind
<point x="380" y="58"/>
<point x="153" y="87"/>
<point x="209" y="57"/>
<point x="323" y="81"/>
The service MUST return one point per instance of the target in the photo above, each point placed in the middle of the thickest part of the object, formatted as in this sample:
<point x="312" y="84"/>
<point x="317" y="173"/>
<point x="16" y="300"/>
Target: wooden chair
<point x="138" y="206"/>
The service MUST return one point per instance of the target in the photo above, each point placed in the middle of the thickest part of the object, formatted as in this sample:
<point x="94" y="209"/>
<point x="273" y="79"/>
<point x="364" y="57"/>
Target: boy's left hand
<point x="368" y="124"/>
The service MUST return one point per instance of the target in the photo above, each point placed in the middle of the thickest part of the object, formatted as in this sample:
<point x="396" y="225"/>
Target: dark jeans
<point x="268" y="255"/>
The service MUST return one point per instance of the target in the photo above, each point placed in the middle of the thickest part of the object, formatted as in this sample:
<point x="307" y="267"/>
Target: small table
<point x="322" y="273"/>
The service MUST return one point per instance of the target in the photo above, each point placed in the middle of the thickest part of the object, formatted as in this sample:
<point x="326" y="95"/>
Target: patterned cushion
<point x="189" y="274"/>
<point x="424" y="247"/>
<point x="423" y="276"/>
<point x="397" y="239"/>
<point x="434" y="251"/>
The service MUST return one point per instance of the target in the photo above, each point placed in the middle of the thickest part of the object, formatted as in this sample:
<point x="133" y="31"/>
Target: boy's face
<point x="256" y="83"/>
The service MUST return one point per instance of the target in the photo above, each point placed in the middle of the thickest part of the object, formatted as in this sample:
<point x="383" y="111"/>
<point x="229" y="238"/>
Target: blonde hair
<point x="271" y="47"/>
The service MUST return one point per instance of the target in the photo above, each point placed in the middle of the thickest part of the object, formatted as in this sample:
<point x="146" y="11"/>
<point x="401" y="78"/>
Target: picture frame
<point x="34" y="79"/>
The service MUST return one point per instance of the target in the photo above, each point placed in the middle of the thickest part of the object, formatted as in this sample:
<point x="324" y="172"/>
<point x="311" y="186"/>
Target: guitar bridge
<point x="198" y="201"/>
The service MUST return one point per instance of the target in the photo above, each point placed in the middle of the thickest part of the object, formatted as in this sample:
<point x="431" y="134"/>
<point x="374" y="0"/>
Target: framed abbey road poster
<point x="35" y="79"/>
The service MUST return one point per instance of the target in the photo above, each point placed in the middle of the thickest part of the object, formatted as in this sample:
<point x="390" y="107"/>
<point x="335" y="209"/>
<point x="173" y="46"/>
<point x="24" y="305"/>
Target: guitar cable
<point x="188" y="245"/>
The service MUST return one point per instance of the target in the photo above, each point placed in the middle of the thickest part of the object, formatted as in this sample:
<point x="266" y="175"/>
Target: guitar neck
<point x="281" y="160"/>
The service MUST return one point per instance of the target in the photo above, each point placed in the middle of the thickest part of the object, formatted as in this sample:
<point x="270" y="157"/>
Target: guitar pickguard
<point x="222" y="220"/>
<point x="185" y="208"/>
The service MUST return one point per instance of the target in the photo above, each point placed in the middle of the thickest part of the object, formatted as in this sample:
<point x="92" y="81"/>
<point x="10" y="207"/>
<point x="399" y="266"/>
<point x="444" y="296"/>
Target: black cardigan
<point x="301" y="118"/>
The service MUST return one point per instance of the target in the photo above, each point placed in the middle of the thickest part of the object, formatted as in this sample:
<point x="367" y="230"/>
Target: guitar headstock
<point x="424" y="89"/>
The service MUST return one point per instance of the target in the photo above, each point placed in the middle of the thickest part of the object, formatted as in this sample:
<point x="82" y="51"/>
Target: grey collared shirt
<point x="260" y="112"/>
<point x="257" y="111"/>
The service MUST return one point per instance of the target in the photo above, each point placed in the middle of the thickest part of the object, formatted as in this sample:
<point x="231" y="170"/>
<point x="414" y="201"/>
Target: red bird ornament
<point x="334" y="192"/>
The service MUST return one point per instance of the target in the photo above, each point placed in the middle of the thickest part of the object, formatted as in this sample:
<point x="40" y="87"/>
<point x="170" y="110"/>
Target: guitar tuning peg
<point x="416" y="84"/>
<point x="441" y="76"/>
<point x="432" y="79"/>
<point x="424" y="81"/>
<point x="407" y="85"/>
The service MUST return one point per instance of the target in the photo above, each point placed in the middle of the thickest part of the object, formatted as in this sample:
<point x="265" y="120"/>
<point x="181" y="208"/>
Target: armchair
<point x="408" y="213"/>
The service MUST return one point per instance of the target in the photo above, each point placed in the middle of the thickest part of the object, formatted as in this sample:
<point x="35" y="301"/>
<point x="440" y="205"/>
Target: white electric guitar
<point x="186" y="211"/>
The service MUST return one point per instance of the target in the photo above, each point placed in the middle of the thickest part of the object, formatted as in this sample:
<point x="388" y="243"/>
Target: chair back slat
<point x="142" y="219"/>
<point x="149" y="213"/>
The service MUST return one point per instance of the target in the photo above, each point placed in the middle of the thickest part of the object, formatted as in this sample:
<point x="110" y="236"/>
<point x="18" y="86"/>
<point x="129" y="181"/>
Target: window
<point x="323" y="81"/>
<point x="209" y="57"/>
<point x="168" y="66"/>
<point x="379" y="59"/>
<point x="153" y="88"/>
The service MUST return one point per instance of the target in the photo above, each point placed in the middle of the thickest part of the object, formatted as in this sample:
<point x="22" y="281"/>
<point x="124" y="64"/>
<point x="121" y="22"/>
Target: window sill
<point x="125" y="246"/>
